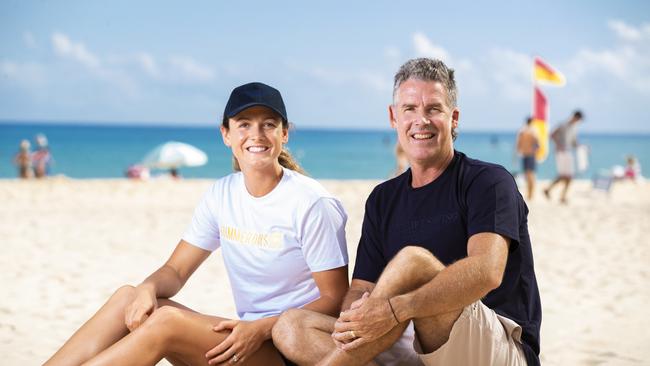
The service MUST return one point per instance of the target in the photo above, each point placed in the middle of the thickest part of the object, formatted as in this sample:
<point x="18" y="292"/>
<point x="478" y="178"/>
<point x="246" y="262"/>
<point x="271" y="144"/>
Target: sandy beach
<point x="68" y="244"/>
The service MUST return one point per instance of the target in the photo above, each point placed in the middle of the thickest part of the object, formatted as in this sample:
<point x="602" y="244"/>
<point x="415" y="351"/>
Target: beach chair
<point x="603" y="181"/>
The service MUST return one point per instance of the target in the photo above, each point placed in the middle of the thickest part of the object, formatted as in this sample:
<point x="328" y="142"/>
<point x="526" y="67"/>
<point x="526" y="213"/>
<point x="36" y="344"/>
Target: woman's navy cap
<point x="252" y="94"/>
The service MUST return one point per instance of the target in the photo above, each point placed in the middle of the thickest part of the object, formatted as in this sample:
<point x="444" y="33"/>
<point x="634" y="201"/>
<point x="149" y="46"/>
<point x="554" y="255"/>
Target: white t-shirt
<point x="271" y="244"/>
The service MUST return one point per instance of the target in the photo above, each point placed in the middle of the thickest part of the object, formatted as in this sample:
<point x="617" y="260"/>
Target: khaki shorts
<point x="564" y="162"/>
<point x="479" y="337"/>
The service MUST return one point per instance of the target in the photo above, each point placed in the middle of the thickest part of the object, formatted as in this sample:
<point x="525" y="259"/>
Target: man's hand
<point x="359" y="302"/>
<point x="355" y="305"/>
<point x="371" y="319"/>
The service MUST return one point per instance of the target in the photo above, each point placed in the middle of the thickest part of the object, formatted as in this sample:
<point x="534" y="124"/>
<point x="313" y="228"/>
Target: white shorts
<point x="564" y="163"/>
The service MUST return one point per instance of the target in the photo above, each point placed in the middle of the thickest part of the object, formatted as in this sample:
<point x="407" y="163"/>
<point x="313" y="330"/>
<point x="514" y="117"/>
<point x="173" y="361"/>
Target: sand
<point x="68" y="244"/>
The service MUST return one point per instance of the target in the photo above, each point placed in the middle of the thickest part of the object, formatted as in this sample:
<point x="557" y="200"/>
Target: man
<point x="565" y="137"/>
<point x="527" y="145"/>
<point x="444" y="247"/>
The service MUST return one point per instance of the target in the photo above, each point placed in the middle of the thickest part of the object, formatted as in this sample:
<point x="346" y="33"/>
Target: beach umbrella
<point x="172" y="154"/>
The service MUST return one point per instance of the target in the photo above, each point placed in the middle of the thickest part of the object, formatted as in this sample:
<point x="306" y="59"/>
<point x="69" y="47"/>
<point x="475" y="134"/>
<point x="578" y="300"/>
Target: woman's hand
<point x="143" y="305"/>
<point x="245" y="338"/>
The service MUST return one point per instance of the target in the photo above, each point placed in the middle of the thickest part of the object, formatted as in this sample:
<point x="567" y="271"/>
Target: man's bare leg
<point x="98" y="333"/>
<point x="410" y="269"/>
<point x="530" y="183"/>
<point x="547" y="191"/>
<point x="567" y="182"/>
<point x="304" y="336"/>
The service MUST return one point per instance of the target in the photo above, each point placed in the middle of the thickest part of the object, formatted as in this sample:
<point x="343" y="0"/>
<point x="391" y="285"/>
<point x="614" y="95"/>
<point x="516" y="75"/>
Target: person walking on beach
<point x="42" y="158"/>
<point x="565" y="138"/>
<point x="444" y="248"/>
<point x="23" y="160"/>
<point x="283" y="242"/>
<point x="527" y="145"/>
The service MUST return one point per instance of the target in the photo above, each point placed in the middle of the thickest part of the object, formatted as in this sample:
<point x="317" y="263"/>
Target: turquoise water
<point x="83" y="151"/>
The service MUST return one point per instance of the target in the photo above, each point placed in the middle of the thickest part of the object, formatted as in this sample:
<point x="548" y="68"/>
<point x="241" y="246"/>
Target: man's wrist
<point x="393" y="311"/>
<point x="399" y="306"/>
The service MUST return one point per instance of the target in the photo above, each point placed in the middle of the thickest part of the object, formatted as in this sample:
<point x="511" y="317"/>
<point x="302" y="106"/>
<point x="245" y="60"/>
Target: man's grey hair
<point x="427" y="69"/>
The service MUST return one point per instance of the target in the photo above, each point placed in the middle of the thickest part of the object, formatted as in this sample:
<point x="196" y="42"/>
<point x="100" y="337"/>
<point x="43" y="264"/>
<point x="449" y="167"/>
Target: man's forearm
<point x="453" y="288"/>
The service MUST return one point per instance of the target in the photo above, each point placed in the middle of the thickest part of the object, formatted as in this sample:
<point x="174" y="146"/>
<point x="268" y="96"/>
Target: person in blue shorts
<point x="527" y="146"/>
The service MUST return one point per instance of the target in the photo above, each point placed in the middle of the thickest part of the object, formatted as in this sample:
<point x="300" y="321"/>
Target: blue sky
<point x="164" y="62"/>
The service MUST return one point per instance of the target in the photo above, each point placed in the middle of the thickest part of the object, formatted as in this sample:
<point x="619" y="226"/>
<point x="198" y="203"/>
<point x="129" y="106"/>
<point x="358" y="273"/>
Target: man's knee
<point x="417" y="258"/>
<point x="287" y="329"/>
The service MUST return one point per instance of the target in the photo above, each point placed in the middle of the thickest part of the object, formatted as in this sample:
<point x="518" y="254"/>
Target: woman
<point x="283" y="242"/>
<point x="42" y="157"/>
<point x="23" y="160"/>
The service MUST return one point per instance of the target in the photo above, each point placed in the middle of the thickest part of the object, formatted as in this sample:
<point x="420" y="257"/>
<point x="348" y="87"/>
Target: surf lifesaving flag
<point x="543" y="73"/>
<point x="540" y="123"/>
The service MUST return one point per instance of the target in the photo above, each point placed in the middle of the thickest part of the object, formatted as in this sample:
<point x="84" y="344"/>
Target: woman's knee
<point x="123" y="296"/>
<point x="165" y="317"/>
<point x="164" y="323"/>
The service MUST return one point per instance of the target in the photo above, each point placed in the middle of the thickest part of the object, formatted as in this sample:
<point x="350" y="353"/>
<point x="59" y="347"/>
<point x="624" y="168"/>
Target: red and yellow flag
<point x="545" y="74"/>
<point x="540" y="123"/>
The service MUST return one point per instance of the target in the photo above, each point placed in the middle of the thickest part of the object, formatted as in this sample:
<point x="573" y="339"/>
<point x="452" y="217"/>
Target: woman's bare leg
<point x="176" y="332"/>
<point x="98" y="333"/>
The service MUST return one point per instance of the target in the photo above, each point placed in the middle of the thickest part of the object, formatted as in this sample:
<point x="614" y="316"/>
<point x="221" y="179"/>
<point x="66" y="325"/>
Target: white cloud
<point x="627" y="63"/>
<point x="76" y="51"/>
<point x="29" y="74"/>
<point x="375" y="81"/>
<point x="125" y="71"/>
<point x="628" y="32"/>
<point x="187" y="69"/>
<point x="511" y="71"/>
<point x="148" y="64"/>
<point x="425" y="48"/>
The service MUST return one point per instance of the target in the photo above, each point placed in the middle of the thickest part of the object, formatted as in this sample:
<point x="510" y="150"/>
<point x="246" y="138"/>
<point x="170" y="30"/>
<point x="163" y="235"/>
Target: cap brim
<point x="254" y="104"/>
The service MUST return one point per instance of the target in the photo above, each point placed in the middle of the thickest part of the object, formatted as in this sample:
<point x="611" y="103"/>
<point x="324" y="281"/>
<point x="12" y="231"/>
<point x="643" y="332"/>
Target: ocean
<point x="105" y="151"/>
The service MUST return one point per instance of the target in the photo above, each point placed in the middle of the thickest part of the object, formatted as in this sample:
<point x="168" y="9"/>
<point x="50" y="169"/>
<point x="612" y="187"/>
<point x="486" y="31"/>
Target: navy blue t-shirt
<point x="469" y="197"/>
